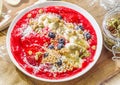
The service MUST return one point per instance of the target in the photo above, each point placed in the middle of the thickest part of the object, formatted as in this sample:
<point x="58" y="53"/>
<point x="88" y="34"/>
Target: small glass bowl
<point x="111" y="32"/>
<point x="109" y="4"/>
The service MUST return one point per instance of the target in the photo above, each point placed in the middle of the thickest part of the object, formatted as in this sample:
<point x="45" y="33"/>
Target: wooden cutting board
<point x="104" y="66"/>
<point x="12" y="11"/>
<point x="113" y="79"/>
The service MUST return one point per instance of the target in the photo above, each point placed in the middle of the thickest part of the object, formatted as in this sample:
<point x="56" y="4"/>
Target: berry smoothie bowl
<point x="54" y="41"/>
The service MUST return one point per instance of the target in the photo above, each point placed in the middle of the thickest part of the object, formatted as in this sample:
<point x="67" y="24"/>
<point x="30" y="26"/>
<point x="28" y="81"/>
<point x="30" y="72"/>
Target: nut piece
<point x="38" y="54"/>
<point x="94" y="47"/>
<point x="29" y="15"/>
<point x="30" y="52"/>
<point x="40" y="11"/>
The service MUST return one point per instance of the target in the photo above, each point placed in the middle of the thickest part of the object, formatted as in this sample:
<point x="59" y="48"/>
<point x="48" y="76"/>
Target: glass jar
<point x="109" y="4"/>
<point x="111" y="32"/>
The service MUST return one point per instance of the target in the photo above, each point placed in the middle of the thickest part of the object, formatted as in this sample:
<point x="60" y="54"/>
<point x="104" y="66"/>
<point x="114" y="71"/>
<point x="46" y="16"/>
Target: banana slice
<point x="13" y="2"/>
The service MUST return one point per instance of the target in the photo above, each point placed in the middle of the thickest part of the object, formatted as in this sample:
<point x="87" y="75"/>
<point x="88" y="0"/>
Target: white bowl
<point x="69" y="5"/>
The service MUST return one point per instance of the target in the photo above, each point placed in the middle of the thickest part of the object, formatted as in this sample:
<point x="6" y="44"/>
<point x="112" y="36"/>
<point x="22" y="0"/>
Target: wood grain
<point x="104" y="66"/>
<point x="113" y="79"/>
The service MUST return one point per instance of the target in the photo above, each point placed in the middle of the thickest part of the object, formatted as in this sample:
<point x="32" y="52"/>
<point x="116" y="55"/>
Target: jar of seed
<point x="111" y="32"/>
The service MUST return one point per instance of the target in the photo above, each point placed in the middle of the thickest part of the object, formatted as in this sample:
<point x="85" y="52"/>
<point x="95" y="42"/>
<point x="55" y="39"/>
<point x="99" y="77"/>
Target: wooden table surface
<point x="101" y="70"/>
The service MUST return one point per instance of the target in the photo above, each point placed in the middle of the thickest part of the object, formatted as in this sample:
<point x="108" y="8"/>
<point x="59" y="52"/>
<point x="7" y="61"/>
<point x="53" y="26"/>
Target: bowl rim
<point x="69" y="5"/>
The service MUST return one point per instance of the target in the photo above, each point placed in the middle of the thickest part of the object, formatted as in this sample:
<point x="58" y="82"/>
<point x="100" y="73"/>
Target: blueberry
<point x="51" y="46"/>
<point x="51" y="34"/>
<point x="61" y="45"/>
<point x="59" y="63"/>
<point x="46" y="54"/>
<point x="60" y="17"/>
<point x="61" y="40"/>
<point x="80" y="27"/>
<point x="87" y="35"/>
